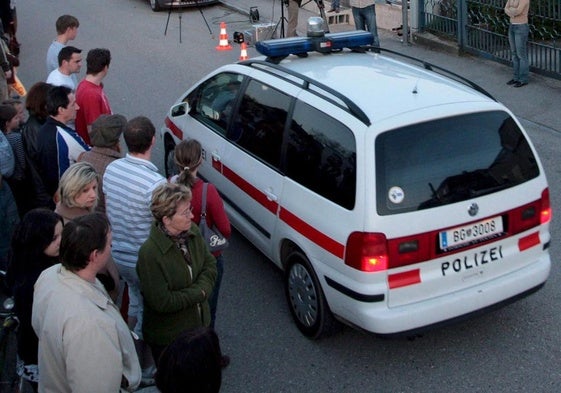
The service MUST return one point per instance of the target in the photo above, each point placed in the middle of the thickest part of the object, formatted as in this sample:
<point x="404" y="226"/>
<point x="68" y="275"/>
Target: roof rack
<point x="304" y="82"/>
<point x="318" y="41"/>
<point x="436" y="69"/>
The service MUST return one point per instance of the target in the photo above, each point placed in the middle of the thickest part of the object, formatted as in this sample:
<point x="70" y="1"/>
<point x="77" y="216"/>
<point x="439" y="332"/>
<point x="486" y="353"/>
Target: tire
<point x="306" y="299"/>
<point x="155" y="5"/>
<point x="169" y="161"/>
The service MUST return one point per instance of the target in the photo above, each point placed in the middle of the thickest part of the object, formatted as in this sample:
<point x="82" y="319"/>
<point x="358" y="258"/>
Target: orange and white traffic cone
<point x="223" y="43"/>
<point x="243" y="53"/>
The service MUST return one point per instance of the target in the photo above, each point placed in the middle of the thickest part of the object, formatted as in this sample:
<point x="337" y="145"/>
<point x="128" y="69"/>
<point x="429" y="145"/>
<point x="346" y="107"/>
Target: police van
<point x="394" y="196"/>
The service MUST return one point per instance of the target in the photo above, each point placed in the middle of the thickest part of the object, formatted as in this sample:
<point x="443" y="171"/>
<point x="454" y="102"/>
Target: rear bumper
<point x="413" y="318"/>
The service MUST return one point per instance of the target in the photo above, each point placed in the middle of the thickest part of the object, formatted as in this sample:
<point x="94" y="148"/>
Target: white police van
<point x="394" y="197"/>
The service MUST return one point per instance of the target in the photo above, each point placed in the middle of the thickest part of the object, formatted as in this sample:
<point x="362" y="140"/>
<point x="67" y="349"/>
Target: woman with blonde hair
<point x="188" y="158"/>
<point x="77" y="195"/>
<point x="77" y="192"/>
<point x="176" y="270"/>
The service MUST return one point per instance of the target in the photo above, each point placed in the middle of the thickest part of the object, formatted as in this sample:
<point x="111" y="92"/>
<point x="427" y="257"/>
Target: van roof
<point x="365" y="76"/>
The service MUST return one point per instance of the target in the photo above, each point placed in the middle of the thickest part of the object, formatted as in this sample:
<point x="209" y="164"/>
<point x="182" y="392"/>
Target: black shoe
<point x="512" y="82"/>
<point x="520" y="84"/>
<point x="331" y="10"/>
<point x="224" y="361"/>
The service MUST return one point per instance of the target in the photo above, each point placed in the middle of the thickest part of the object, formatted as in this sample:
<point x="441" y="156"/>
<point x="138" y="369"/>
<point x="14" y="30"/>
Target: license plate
<point x="470" y="234"/>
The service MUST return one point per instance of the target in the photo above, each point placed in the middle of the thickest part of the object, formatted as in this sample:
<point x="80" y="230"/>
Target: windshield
<point x="450" y="160"/>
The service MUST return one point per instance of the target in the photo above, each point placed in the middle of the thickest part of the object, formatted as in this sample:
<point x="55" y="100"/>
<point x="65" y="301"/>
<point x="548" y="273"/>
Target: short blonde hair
<point x="165" y="199"/>
<point x="74" y="180"/>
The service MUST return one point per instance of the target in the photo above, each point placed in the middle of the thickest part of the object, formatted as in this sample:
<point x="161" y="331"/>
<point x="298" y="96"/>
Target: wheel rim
<point x="303" y="295"/>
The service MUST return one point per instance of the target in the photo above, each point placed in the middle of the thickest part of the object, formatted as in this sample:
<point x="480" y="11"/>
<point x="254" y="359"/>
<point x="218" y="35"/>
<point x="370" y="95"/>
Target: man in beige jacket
<point x="84" y="343"/>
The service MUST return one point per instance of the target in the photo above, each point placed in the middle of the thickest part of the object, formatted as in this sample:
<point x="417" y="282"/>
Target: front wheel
<point x="155" y="5"/>
<point x="169" y="160"/>
<point x="306" y="299"/>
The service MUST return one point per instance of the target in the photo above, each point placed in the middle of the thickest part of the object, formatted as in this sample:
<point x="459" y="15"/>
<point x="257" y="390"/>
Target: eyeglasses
<point x="187" y="212"/>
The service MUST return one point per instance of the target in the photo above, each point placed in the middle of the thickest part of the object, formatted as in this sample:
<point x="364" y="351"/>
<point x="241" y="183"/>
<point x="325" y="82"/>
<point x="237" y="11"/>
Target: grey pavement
<point x="539" y="102"/>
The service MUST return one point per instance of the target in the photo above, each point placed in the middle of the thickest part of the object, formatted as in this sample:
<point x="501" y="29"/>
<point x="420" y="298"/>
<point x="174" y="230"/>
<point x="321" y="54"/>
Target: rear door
<point x="462" y="201"/>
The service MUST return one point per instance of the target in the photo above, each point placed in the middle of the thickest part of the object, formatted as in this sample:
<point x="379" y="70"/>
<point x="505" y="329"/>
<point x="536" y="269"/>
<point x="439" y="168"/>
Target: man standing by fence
<point x="518" y="32"/>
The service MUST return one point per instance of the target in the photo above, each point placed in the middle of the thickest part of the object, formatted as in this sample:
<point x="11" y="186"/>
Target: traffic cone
<point x="243" y="54"/>
<point x="223" y="43"/>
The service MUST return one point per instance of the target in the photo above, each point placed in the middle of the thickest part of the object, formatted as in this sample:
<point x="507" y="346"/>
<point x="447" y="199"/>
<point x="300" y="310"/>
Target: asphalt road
<point x="515" y="349"/>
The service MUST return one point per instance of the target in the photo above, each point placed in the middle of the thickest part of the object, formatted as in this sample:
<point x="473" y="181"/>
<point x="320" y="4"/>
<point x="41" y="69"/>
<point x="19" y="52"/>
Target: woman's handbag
<point x="215" y="240"/>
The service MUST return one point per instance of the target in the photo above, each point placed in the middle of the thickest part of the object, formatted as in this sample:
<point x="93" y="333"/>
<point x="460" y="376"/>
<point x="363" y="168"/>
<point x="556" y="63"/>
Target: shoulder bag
<point x="214" y="239"/>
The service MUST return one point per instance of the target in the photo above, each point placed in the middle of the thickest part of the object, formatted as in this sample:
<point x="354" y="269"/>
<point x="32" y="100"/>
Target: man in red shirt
<point x="89" y="95"/>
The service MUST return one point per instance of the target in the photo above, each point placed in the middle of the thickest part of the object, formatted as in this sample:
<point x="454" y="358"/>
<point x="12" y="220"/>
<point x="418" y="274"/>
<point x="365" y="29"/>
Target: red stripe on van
<point x="529" y="241"/>
<point x="300" y="226"/>
<point x="173" y="128"/>
<point x="404" y="279"/>
<point x="253" y="192"/>
<point x="312" y="234"/>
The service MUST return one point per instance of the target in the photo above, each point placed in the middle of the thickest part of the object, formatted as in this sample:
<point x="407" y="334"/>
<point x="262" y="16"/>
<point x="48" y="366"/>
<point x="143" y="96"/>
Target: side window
<point x="213" y="101"/>
<point x="321" y="155"/>
<point x="259" y="123"/>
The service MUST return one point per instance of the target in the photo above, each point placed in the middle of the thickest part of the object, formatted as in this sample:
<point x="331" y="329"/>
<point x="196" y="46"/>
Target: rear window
<point x="450" y="160"/>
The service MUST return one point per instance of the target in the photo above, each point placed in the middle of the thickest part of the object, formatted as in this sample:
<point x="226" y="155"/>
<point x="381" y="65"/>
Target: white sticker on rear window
<point x="396" y="194"/>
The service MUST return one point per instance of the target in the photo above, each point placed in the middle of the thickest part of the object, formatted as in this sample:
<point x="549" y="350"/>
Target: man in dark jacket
<point x="59" y="146"/>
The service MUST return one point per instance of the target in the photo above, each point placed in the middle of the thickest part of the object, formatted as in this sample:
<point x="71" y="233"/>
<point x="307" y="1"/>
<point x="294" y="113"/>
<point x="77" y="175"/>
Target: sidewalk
<point x="539" y="102"/>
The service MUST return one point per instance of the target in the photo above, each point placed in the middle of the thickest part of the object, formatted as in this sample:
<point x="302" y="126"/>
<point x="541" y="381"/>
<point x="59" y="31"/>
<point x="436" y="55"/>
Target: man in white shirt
<point x="69" y="65"/>
<point x="67" y="30"/>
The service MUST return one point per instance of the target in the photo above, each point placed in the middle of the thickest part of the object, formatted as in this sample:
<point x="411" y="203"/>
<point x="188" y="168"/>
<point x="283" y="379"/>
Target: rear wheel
<point x="155" y="5"/>
<point x="306" y="299"/>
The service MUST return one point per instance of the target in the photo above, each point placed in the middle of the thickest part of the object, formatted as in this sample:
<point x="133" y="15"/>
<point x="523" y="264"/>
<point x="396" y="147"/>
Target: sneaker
<point x="512" y="82"/>
<point x="520" y="84"/>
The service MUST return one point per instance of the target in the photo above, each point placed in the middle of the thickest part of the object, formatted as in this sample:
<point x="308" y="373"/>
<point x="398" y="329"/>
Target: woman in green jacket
<point x="176" y="270"/>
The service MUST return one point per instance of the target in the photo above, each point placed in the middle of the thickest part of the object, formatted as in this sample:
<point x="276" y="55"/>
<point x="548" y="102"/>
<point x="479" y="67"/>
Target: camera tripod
<point x="282" y="20"/>
<point x="321" y="8"/>
<point x="202" y="14"/>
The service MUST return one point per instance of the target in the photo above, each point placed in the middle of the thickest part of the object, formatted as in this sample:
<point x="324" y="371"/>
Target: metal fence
<point x="481" y="27"/>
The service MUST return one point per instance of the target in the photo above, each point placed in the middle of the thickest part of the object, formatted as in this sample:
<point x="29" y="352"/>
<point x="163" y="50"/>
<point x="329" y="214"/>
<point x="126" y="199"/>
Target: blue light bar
<point x="298" y="45"/>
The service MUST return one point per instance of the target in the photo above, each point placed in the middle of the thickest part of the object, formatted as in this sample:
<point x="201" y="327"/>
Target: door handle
<point x="215" y="156"/>
<point x="270" y="195"/>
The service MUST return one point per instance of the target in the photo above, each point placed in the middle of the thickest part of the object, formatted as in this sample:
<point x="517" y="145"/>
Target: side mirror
<point x="179" y="109"/>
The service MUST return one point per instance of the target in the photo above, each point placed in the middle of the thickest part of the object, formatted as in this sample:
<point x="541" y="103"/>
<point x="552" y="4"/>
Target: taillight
<point x="545" y="214"/>
<point x="530" y="215"/>
<point x="367" y="252"/>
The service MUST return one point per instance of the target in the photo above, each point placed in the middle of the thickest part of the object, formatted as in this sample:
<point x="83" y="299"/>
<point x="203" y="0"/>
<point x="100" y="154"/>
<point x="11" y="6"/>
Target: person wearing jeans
<point x="364" y="14"/>
<point x="518" y="32"/>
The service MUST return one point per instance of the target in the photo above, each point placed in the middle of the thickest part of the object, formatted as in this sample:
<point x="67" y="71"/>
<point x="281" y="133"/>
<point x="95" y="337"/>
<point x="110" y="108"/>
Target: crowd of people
<point x="115" y="286"/>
